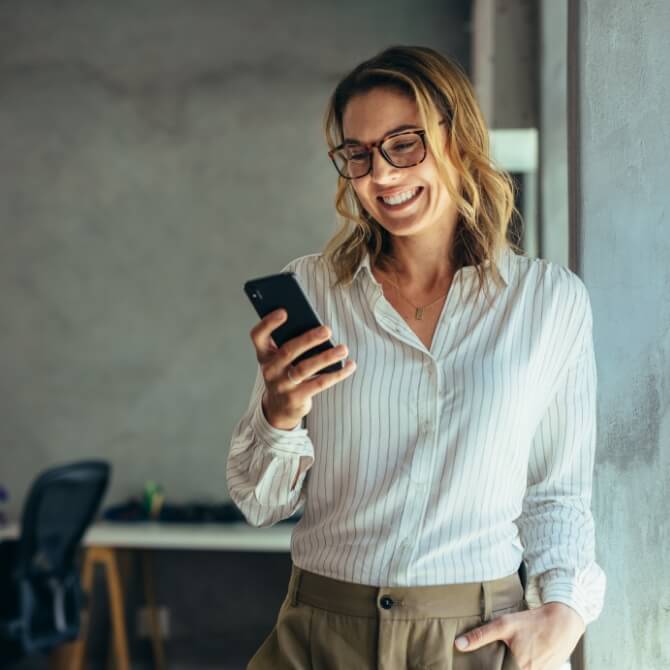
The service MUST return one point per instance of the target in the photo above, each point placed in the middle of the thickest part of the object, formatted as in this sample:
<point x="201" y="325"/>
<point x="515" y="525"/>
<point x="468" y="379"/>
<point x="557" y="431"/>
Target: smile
<point x="399" y="199"/>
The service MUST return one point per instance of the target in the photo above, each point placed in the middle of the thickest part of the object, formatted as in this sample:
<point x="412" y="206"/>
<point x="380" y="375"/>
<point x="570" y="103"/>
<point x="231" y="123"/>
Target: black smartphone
<point x="283" y="291"/>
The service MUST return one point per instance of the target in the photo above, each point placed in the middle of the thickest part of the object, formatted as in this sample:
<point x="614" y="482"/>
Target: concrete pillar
<point x="620" y="244"/>
<point x="553" y="219"/>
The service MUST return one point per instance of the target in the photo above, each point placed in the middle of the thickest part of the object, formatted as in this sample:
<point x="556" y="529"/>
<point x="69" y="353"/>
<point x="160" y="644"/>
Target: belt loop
<point x="487" y="602"/>
<point x="296" y="576"/>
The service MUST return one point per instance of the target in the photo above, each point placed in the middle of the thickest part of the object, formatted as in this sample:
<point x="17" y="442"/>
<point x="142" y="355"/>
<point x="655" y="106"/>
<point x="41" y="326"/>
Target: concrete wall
<point x="624" y="248"/>
<point x="553" y="233"/>
<point x="154" y="156"/>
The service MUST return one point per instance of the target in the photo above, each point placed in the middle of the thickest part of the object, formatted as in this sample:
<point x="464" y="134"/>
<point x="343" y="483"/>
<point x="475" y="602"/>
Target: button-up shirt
<point x="446" y="464"/>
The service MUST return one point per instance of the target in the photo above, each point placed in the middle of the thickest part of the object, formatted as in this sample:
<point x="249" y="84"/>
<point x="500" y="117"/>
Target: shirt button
<point x="386" y="602"/>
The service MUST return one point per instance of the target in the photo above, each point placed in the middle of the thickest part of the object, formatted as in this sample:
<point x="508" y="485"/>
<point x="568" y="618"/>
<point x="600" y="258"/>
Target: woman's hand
<point x="539" y="639"/>
<point x="289" y="388"/>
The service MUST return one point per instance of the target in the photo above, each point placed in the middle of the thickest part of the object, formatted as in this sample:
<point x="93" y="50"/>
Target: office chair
<point x="40" y="593"/>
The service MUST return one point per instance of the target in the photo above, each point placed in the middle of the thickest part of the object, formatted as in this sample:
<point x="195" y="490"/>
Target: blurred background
<point x="156" y="155"/>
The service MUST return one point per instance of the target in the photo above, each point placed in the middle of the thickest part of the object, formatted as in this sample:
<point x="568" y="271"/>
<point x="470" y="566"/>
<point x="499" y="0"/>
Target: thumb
<point x="478" y="637"/>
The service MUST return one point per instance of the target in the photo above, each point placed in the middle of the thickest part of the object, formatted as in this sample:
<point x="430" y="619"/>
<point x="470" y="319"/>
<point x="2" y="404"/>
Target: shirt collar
<point x="503" y="261"/>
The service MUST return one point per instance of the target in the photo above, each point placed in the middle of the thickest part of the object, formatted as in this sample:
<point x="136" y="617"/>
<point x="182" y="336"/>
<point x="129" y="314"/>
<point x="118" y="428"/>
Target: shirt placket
<point x="423" y="458"/>
<point x="419" y="479"/>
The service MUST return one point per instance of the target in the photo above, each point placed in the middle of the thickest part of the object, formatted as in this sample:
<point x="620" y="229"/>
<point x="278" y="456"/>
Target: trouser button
<point x="386" y="602"/>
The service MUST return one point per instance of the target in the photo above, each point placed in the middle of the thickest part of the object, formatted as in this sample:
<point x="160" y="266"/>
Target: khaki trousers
<point x="326" y="624"/>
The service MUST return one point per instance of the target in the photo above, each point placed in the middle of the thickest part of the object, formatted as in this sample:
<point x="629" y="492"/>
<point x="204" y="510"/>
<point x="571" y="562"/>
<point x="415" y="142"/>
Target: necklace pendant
<point x="418" y="315"/>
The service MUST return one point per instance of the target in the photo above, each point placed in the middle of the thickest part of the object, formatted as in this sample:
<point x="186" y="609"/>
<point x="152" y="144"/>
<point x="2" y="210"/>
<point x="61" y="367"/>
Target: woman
<point x="462" y="438"/>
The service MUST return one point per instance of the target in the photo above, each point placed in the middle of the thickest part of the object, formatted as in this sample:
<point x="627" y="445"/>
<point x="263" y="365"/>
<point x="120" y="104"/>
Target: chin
<point x="404" y="228"/>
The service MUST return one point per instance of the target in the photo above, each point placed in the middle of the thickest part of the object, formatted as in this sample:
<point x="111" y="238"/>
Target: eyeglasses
<point x="401" y="150"/>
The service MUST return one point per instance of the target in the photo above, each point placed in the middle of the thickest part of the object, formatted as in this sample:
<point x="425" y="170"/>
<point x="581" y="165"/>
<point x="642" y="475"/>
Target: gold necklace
<point x="418" y="310"/>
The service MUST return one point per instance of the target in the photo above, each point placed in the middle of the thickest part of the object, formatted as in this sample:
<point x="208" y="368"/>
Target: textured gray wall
<point x="154" y="156"/>
<point x="625" y="246"/>
<point x="553" y="131"/>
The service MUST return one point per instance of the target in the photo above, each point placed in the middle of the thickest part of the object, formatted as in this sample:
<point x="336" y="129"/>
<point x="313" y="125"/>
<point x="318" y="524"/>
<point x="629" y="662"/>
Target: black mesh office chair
<point x="40" y="594"/>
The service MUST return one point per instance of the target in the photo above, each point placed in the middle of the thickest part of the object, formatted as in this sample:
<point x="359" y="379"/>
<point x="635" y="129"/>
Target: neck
<point x="422" y="264"/>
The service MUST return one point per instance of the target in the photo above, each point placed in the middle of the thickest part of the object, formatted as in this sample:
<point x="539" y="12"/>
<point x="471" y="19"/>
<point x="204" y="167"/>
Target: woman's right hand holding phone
<point x="289" y="388"/>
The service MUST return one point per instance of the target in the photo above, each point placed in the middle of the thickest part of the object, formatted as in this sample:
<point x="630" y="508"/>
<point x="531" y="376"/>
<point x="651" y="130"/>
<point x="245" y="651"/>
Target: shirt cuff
<point x="293" y="442"/>
<point x="584" y="592"/>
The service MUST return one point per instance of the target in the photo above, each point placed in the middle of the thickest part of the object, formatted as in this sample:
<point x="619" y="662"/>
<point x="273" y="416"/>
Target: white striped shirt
<point x="446" y="465"/>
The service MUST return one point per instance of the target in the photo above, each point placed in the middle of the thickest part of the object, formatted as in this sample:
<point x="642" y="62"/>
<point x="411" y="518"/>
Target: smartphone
<point x="283" y="291"/>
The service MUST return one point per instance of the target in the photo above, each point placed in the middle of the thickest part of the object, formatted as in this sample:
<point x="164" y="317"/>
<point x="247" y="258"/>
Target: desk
<point x="102" y="541"/>
<point x="236" y="536"/>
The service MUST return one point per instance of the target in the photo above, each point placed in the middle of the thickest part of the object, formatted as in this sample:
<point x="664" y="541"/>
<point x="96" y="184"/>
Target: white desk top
<point x="209" y="537"/>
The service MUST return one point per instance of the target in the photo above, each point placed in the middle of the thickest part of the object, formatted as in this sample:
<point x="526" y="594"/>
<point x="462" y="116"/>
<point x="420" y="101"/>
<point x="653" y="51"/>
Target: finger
<point x="310" y="366"/>
<point x="290" y="350"/>
<point x="478" y="637"/>
<point x="260" y="333"/>
<point x="296" y="374"/>
<point x="288" y="381"/>
<point x="327" y="379"/>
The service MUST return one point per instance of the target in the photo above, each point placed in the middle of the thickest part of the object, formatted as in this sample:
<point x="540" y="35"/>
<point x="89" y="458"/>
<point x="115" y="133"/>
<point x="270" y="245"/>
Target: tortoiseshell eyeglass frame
<point x="378" y="145"/>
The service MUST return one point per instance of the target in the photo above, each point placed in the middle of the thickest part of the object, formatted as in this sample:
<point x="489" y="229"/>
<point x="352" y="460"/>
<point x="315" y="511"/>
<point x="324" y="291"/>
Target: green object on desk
<point x="153" y="499"/>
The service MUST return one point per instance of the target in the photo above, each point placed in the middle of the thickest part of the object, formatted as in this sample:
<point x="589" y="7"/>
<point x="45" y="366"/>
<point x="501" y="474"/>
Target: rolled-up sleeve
<point x="263" y="463"/>
<point x="556" y="525"/>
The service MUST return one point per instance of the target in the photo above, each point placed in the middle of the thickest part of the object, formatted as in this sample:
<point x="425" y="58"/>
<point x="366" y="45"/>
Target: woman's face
<point x="368" y="117"/>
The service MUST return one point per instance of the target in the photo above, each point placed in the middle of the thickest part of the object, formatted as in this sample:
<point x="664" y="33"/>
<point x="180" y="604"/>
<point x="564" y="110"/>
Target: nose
<point x="382" y="170"/>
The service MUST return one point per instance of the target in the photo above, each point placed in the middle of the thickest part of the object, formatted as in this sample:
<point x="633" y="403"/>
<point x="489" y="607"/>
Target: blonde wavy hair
<point x="485" y="202"/>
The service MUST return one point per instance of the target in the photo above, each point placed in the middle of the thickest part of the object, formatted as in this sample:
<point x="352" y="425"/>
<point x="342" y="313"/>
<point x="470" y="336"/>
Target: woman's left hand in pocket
<point x="540" y="639"/>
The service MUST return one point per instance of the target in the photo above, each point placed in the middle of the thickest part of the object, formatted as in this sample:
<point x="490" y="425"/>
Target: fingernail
<point x="462" y="643"/>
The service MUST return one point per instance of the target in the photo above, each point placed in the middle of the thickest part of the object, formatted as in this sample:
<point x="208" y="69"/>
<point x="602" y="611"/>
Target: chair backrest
<point x="61" y="504"/>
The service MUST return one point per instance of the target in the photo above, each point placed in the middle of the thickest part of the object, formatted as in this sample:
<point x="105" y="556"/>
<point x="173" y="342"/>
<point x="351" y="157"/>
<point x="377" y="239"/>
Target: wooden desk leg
<point x="123" y="569"/>
<point x="107" y="557"/>
<point x="150" y="599"/>
<point x="71" y="656"/>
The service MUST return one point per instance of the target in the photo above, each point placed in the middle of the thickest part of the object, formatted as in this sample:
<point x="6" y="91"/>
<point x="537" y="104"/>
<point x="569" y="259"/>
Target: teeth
<point x="400" y="197"/>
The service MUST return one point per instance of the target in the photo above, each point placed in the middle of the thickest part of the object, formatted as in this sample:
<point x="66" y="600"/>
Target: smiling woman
<point x="464" y="442"/>
<point x="425" y="92"/>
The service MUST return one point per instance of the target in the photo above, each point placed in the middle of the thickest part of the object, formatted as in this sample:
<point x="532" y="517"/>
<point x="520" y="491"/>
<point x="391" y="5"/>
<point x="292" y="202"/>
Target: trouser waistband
<point x="415" y="602"/>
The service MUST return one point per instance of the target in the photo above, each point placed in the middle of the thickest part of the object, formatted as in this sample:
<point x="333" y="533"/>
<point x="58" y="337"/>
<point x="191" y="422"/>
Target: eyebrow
<point x="405" y="126"/>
